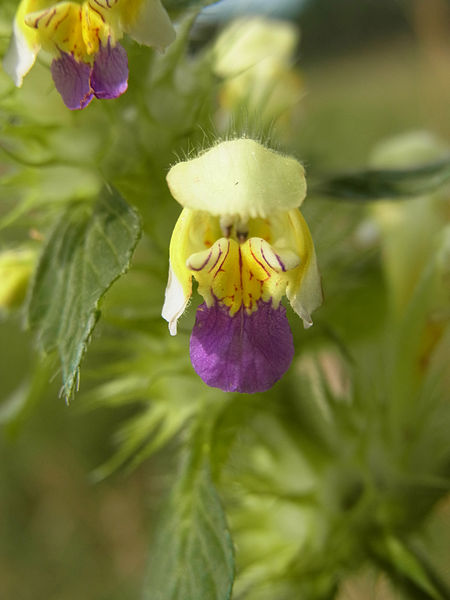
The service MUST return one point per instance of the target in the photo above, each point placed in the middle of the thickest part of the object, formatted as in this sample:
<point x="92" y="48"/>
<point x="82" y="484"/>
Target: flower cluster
<point x="83" y="39"/>
<point x="240" y="234"/>
<point x="242" y="237"/>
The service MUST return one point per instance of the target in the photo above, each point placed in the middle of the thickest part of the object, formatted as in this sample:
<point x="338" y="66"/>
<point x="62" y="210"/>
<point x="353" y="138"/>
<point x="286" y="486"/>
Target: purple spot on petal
<point x="241" y="353"/>
<point x="109" y="77"/>
<point x="72" y="81"/>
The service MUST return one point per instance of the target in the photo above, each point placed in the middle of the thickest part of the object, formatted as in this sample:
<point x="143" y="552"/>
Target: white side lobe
<point x="175" y="302"/>
<point x="20" y="56"/>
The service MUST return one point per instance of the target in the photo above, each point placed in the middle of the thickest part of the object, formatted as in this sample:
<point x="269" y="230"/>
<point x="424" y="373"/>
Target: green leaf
<point x="150" y="430"/>
<point x="386" y="183"/>
<point x="401" y="560"/>
<point x="192" y="558"/>
<point x="89" y="248"/>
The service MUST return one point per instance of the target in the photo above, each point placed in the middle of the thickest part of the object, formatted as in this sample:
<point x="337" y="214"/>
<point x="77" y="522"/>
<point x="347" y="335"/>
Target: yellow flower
<point x="15" y="271"/>
<point x="242" y="237"/>
<point x="83" y="38"/>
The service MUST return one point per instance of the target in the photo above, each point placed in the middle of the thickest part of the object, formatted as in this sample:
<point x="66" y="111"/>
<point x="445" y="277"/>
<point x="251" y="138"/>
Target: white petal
<point x="175" y="302"/>
<point x="20" y="56"/>
<point x="152" y="26"/>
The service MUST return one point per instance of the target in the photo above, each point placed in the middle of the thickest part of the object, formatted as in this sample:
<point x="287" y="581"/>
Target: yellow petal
<point x="239" y="178"/>
<point x="304" y="289"/>
<point x="59" y="28"/>
<point x="241" y="274"/>
<point x="99" y="23"/>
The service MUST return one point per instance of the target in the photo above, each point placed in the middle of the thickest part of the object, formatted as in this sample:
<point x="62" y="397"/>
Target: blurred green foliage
<point x="334" y="484"/>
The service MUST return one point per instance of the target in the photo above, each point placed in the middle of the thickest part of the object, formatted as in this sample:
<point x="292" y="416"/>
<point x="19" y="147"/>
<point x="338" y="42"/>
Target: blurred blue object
<point x="228" y="9"/>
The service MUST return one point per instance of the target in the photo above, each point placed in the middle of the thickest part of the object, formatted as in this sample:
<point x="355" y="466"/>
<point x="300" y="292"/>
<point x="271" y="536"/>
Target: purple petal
<point x="241" y="353"/>
<point x="72" y="81"/>
<point x="109" y="77"/>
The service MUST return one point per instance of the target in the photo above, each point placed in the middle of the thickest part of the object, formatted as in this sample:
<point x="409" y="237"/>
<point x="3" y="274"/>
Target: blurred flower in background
<point x="412" y="229"/>
<point x="253" y="58"/>
<point x="16" y="267"/>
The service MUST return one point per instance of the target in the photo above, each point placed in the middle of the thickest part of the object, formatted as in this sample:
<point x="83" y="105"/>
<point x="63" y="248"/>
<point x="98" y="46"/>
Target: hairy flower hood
<point x="242" y="237"/>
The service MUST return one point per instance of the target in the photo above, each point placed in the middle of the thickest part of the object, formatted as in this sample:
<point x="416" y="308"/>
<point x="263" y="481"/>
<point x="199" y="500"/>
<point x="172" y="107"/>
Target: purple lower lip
<point x="72" y="81"/>
<point x="244" y="353"/>
<point x="78" y="82"/>
<point x="109" y="77"/>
